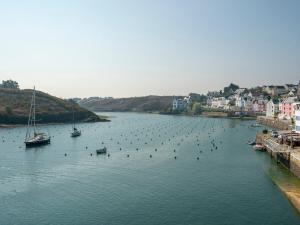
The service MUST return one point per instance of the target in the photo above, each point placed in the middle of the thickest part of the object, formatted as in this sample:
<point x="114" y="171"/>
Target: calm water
<point x="229" y="185"/>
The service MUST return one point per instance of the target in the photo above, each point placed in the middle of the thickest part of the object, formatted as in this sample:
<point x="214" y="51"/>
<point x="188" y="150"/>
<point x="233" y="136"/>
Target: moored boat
<point x="259" y="147"/>
<point x="101" y="151"/>
<point x="38" y="138"/>
<point x="75" y="132"/>
<point x="251" y="142"/>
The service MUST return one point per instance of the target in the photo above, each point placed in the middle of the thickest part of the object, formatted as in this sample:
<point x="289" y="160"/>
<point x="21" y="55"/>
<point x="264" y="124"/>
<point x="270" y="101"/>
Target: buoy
<point x="91" y="154"/>
<point x="150" y="156"/>
<point x="175" y="157"/>
<point x="197" y="158"/>
<point x="127" y="156"/>
<point x="65" y="154"/>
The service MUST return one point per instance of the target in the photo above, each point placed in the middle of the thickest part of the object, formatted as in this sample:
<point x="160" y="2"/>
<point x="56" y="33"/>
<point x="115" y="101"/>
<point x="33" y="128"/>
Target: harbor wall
<point x="295" y="165"/>
<point x="290" y="158"/>
<point x="274" y="122"/>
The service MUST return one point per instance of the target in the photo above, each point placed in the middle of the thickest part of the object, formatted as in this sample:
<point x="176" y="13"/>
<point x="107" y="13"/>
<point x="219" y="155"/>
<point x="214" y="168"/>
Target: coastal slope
<point x="15" y="106"/>
<point x="150" y="103"/>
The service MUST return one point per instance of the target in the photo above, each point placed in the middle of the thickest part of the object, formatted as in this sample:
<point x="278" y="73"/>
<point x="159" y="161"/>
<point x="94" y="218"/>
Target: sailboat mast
<point x="29" y="118"/>
<point x="73" y="119"/>
<point x="34" y="110"/>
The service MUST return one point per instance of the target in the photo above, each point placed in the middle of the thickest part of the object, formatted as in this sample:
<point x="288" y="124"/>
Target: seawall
<point x="275" y="123"/>
<point x="290" y="159"/>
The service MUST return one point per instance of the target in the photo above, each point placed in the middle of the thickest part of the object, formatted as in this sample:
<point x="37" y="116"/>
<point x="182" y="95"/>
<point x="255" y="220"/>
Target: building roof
<point x="289" y="100"/>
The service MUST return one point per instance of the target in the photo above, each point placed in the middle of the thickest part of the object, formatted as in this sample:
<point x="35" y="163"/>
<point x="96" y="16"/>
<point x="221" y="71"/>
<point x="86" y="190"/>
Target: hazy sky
<point x="134" y="48"/>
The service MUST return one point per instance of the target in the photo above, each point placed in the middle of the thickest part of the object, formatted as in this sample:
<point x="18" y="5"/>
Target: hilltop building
<point x="275" y="90"/>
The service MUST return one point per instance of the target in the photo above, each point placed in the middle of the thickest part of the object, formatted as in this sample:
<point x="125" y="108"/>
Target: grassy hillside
<point x="135" y="104"/>
<point x="15" y="105"/>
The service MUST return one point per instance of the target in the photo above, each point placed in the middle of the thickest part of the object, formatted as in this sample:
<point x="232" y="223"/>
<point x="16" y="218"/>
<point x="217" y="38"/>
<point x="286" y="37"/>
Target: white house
<point x="187" y="100"/>
<point x="244" y="101"/>
<point x="179" y="104"/>
<point x="259" y="106"/>
<point x="239" y="102"/>
<point x="297" y="117"/>
<point x="272" y="108"/>
<point x="219" y="103"/>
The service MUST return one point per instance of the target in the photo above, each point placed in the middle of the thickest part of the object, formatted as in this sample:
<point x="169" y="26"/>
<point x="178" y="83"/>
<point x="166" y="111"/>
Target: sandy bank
<point x="292" y="191"/>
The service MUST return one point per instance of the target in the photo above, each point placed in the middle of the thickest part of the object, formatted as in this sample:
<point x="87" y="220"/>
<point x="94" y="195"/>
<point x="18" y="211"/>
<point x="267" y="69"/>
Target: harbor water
<point x="159" y="169"/>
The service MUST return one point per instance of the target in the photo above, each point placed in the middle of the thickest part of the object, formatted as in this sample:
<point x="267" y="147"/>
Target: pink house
<point x="286" y="110"/>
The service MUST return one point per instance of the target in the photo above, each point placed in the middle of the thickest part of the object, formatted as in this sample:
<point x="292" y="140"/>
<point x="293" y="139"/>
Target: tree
<point x="232" y="102"/>
<point x="230" y="89"/>
<point x="9" y="84"/>
<point x="198" y="98"/>
<point x="197" y="109"/>
<point x="8" y="110"/>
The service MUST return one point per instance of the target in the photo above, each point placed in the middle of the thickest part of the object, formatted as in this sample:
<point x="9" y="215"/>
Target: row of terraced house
<point x="280" y="102"/>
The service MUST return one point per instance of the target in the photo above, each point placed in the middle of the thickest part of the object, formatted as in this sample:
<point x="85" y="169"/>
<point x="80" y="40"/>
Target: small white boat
<point x="75" y="132"/>
<point x="251" y="142"/>
<point x="259" y="147"/>
<point x="256" y="125"/>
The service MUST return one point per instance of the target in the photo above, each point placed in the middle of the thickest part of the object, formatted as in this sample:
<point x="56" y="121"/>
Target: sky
<point x="148" y="47"/>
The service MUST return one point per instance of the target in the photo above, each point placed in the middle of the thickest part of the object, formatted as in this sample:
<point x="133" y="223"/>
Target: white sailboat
<point x="75" y="132"/>
<point x="37" y="138"/>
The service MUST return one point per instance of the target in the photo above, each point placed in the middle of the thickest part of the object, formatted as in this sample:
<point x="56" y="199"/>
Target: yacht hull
<point x="36" y="143"/>
<point x="75" y="134"/>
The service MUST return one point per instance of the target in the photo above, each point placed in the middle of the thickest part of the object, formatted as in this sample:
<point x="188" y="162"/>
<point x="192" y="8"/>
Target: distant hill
<point x="134" y="104"/>
<point x="15" y="105"/>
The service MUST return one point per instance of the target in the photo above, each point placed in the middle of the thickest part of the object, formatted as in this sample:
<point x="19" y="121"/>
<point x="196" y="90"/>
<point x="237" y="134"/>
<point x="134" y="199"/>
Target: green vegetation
<point x="8" y="110"/>
<point x="9" y="84"/>
<point x="230" y="89"/>
<point x="134" y="104"/>
<point x="15" y="105"/>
